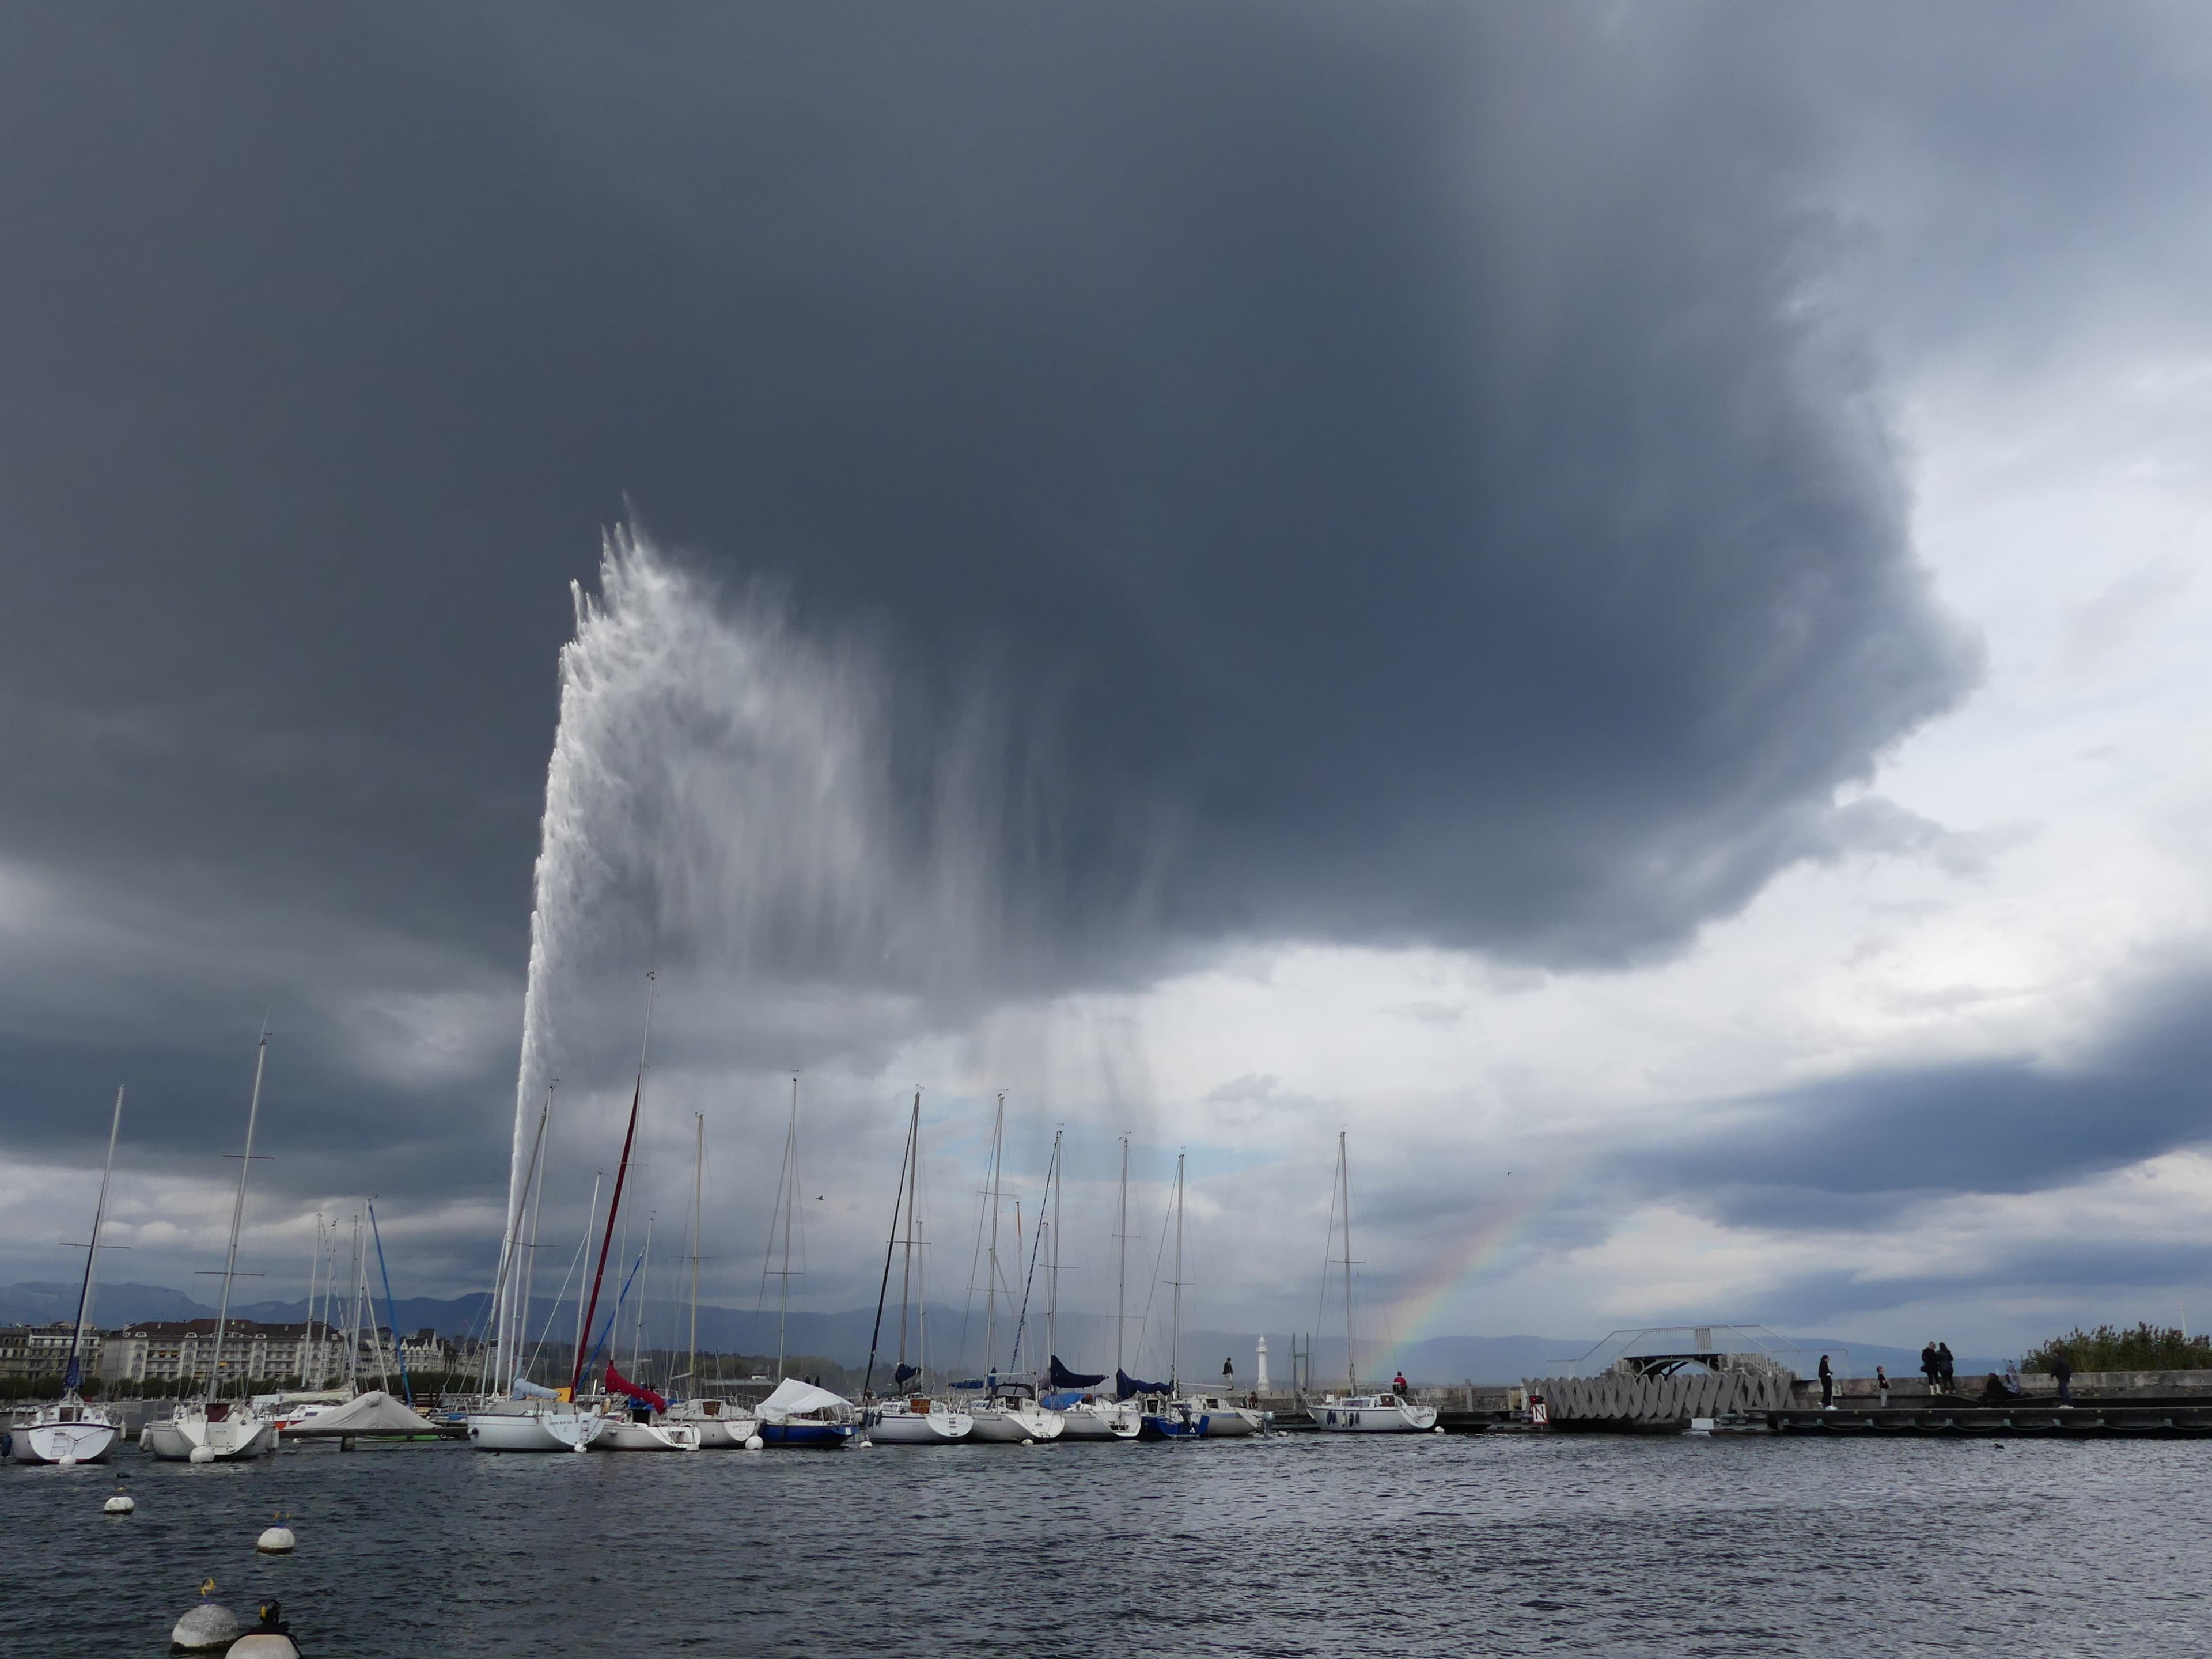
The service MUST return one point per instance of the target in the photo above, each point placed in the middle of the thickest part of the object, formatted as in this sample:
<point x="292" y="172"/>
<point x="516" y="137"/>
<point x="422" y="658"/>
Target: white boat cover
<point x="792" y="1396"/>
<point x="373" y="1413"/>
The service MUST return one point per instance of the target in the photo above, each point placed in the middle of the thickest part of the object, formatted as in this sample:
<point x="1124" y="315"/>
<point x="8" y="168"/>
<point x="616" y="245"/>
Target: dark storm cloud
<point x="1412" y="470"/>
<point x="1852" y="1152"/>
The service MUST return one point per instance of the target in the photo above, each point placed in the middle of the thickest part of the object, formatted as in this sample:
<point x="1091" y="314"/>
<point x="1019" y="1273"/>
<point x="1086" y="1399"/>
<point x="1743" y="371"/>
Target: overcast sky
<point x="1610" y="599"/>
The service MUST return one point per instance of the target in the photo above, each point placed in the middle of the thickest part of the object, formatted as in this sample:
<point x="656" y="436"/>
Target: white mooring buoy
<point x="1026" y="1441"/>
<point x="754" y="1442"/>
<point x="271" y="1638"/>
<point x="276" y="1540"/>
<point x="122" y="1503"/>
<point x="200" y="1454"/>
<point x="1437" y="1430"/>
<point x="65" y="1461"/>
<point x="207" y="1628"/>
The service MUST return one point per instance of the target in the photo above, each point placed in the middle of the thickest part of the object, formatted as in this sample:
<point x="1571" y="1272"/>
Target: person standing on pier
<point x="1827" y="1386"/>
<point x="1930" y="1367"/>
<point x="1950" y="1367"/>
<point x="2062" y="1369"/>
<point x="1881" y="1385"/>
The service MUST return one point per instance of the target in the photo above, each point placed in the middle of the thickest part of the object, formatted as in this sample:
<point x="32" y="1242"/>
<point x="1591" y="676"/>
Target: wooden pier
<point x="2089" y="1419"/>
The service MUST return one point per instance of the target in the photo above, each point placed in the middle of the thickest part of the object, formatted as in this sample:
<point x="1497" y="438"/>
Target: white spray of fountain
<point x="724" y="799"/>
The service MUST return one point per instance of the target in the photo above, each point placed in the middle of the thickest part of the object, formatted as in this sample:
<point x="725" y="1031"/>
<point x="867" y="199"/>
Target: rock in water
<point x="207" y="1628"/>
<point x="276" y="1540"/>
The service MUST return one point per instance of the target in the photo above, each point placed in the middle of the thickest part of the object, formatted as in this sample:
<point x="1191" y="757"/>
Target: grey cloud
<point x="1852" y="1152"/>
<point x="1411" y="474"/>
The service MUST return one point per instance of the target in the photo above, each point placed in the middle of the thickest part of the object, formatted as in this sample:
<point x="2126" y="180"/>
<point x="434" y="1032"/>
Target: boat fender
<point x="754" y="1442"/>
<point x="200" y="1454"/>
<point x="66" y="1460"/>
<point x="207" y="1628"/>
<point x="1437" y="1430"/>
<point x="1026" y="1441"/>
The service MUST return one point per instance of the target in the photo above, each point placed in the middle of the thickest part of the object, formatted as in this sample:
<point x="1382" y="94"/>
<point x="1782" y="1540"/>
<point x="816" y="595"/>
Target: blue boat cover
<point x="1063" y="1378"/>
<point x="1062" y="1400"/>
<point x="900" y="1376"/>
<point x="972" y="1383"/>
<point x="1125" y="1386"/>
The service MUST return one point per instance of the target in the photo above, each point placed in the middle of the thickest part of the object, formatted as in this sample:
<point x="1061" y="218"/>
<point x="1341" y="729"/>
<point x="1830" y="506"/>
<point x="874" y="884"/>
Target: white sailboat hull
<point x="1013" y="1423"/>
<point x="236" y="1434"/>
<point x="1372" y="1415"/>
<point x="1102" y="1421"/>
<point x="537" y="1431"/>
<point x="901" y="1427"/>
<point x="623" y="1435"/>
<point x="49" y="1439"/>
<point x="723" y="1430"/>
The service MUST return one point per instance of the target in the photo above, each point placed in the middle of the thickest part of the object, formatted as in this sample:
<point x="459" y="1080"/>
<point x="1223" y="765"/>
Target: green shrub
<point x="2146" y="1348"/>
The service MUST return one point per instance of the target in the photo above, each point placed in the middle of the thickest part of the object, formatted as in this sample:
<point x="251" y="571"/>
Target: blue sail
<point x="1063" y="1378"/>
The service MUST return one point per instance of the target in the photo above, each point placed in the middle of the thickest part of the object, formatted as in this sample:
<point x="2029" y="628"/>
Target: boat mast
<point x="1174" y="1329"/>
<point x="621" y="1174"/>
<point x="905" y="1277"/>
<point x="237" y="1216"/>
<point x="1351" y="1351"/>
<point x="307" y="1331"/>
<point x="991" y="1275"/>
<point x="1122" y="1271"/>
<point x="591" y="1216"/>
<point x="698" y="1188"/>
<point x="1052" y="1279"/>
<point x="790" y="1199"/>
<point x="891" y="1244"/>
<point x="637" y="1325"/>
<point x="74" y="1374"/>
<point x="537" y="1204"/>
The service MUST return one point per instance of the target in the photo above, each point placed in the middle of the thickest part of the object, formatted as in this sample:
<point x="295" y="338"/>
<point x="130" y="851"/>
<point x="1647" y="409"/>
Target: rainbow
<point x="1412" y="1317"/>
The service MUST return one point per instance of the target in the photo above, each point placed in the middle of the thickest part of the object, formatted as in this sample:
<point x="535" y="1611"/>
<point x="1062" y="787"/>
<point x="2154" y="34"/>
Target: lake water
<point x="1297" y="1544"/>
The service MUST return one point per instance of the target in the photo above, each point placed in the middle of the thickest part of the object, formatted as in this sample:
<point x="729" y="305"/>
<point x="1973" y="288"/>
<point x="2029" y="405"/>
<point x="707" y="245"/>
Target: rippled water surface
<point x="1292" y="1546"/>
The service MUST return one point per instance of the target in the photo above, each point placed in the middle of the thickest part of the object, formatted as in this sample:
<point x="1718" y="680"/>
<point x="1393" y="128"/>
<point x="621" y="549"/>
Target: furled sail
<point x="1063" y="1378"/>
<point x="1126" y="1386"/>
<point x="617" y="1383"/>
<point x="525" y="1389"/>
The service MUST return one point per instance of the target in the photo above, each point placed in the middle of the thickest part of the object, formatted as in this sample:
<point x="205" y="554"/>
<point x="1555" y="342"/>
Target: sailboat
<point x="910" y="1418"/>
<point x="720" y="1424"/>
<point x="1177" y="1416"/>
<point x="533" y="1418"/>
<point x="797" y="1414"/>
<point x="1085" y="1413"/>
<point x="1009" y="1412"/>
<point x="643" y="1427"/>
<point x="69" y="1431"/>
<point x="211" y="1428"/>
<point x="1354" y="1412"/>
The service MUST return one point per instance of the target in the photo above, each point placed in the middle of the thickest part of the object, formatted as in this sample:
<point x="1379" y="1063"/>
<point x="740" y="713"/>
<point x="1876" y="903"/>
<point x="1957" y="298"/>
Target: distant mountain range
<point x="1085" y="1340"/>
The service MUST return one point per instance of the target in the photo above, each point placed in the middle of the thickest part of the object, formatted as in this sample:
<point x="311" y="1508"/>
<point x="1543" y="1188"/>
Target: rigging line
<point x="553" y="1313"/>
<point x="1144" y="1325"/>
<point x="890" y="1246"/>
<point x="1028" y="1281"/>
<point x="975" y="1255"/>
<point x="1329" y="1238"/>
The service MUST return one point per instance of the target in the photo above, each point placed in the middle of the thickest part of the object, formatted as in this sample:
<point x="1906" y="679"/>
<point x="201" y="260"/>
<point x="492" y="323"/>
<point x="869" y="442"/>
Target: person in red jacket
<point x="1398" y="1383"/>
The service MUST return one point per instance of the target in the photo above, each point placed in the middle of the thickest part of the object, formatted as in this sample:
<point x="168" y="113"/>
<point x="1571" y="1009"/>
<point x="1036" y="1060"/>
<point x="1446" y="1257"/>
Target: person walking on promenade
<point x="1950" y="1367"/>
<point x="1827" y="1386"/>
<point x="1930" y="1367"/>
<point x="2062" y="1369"/>
<point x="1881" y="1385"/>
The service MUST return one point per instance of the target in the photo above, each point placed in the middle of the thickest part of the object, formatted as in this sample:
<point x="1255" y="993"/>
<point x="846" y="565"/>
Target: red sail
<point x="621" y="1173"/>
<point x="617" y="1383"/>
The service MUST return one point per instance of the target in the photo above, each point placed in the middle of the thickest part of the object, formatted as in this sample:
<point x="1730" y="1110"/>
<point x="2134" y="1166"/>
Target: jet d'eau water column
<point x="729" y="798"/>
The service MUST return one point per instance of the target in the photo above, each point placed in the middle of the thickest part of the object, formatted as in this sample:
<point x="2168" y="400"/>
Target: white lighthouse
<point x="1263" y="1383"/>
